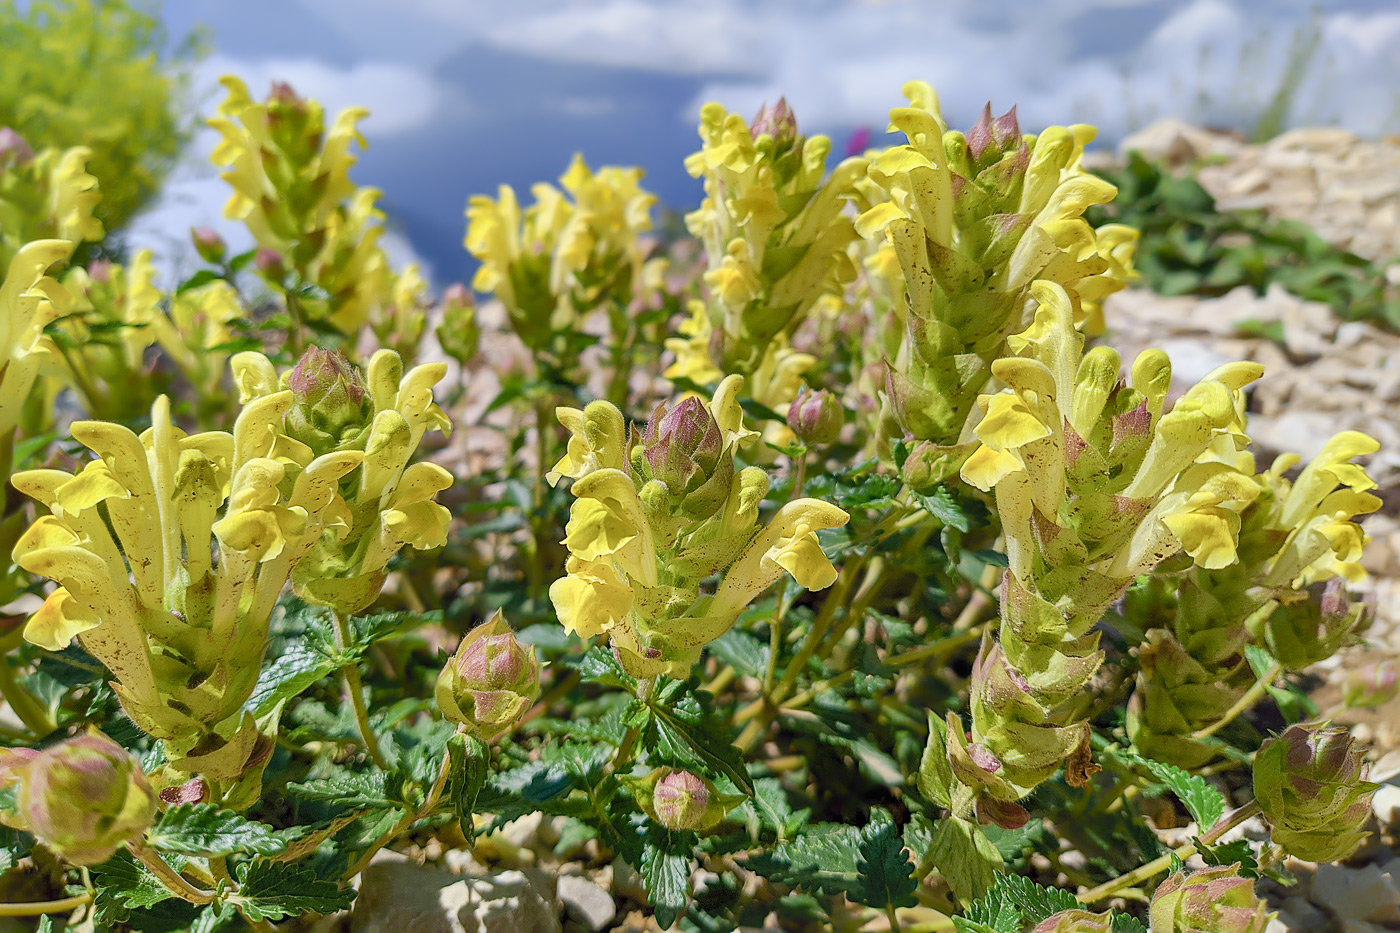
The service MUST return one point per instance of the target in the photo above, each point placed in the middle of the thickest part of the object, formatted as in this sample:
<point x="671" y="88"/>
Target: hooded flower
<point x="29" y="302"/>
<point x="380" y="416"/>
<point x="973" y="220"/>
<point x="650" y="524"/>
<point x="170" y="551"/>
<point x="1095" y="485"/>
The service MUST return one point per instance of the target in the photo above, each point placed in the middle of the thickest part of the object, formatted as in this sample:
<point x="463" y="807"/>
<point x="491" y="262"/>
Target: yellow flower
<point x="29" y="302"/>
<point x="131" y="540"/>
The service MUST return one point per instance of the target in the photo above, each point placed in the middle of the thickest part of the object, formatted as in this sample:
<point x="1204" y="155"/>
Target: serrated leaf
<point x="1239" y="852"/>
<point x="994" y="912"/>
<point x="470" y="767"/>
<point x="274" y="891"/>
<point x="599" y="666"/>
<point x="122" y="883"/>
<point x="1126" y="923"/>
<point x="204" y="829"/>
<point x="867" y="864"/>
<point x="297" y="669"/>
<point x="1033" y="902"/>
<point x="665" y="870"/>
<point x="1205" y="804"/>
<point x="363" y="790"/>
<point x="685" y="731"/>
<point x="944" y="506"/>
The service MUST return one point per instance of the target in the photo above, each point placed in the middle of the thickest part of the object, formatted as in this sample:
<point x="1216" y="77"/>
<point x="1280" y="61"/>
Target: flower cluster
<point x="44" y="196"/>
<point x="170" y="551"/>
<point x="292" y="188"/>
<point x="1298" y="545"/>
<point x="775" y="235"/>
<point x="379" y="417"/>
<point x="974" y="220"/>
<point x="571" y="251"/>
<point x="1095" y="484"/>
<point x="656" y="515"/>
<point x="29" y="302"/>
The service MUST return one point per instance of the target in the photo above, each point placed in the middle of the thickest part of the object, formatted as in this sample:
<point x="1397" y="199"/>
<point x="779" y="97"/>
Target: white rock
<point x="586" y="902"/>
<point x="1386" y="805"/>
<point x="396" y="897"/>
<point x="1365" y="893"/>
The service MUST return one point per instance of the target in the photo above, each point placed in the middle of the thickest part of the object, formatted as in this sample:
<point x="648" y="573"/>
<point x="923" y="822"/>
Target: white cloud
<point x="397" y="96"/>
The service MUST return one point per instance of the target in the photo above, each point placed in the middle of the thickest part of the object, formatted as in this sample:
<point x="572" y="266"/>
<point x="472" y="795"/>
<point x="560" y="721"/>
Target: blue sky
<point x="468" y="94"/>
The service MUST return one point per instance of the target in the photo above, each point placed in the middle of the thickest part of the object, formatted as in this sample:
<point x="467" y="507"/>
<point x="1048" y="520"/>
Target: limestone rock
<point x="586" y="902"/>
<point x="1367" y="893"/>
<point x="397" y="896"/>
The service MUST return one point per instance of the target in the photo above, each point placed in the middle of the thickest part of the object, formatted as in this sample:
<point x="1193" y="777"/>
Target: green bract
<point x="1213" y="900"/>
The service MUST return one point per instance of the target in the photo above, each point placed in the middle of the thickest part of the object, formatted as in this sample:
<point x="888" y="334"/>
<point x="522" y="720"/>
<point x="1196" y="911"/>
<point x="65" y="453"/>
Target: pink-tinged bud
<point x="283" y="93"/>
<point x="1213" y="900"/>
<point x="13" y="149"/>
<point x="1373" y="685"/>
<point x="684" y="449"/>
<point x="270" y="264"/>
<point x="83" y="798"/>
<point x="490" y="682"/>
<point x="680" y="800"/>
<point x="1076" y="921"/>
<point x="815" y="417"/>
<point x="331" y="408"/>
<point x="1311" y="784"/>
<point x="207" y="242"/>
<point x="776" y="121"/>
<point x="990" y="137"/>
<point x="99" y="271"/>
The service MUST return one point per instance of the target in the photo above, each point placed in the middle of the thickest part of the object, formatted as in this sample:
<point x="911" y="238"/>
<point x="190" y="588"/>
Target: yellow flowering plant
<point x="887" y="593"/>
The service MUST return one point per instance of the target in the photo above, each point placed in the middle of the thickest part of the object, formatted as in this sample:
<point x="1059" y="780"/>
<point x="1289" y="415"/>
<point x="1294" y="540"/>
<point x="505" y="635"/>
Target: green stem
<point x="169" y="877"/>
<point x="1251" y="696"/>
<point x="424" y="810"/>
<point x="34" y="908"/>
<point x="1157" y="866"/>
<point x="351" y="673"/>
<point x="537" y="518"/>
<point x="35" y="718"/>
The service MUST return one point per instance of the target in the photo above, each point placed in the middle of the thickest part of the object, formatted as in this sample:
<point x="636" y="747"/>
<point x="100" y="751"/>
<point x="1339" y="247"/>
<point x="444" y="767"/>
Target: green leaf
<point x="1239" y="852"/>
<point x="204" y="829"/>
<point x="1033" y="902"/>
<point x="470" y="767"/>
<point x="288" y="675"/>
<point x="867" y="864"/>
<point x="1126" y="923"/>
<point x="274" y="891"/>
<point x="599" y="666"/>
<point x="944" y="506"/>
<point x="358" y="790"/>
<point x="994" y="912"/>
<point x="665" y="870"/>
<point x="686" y="731"/>
<point x="1205" y="804"/>
<point x="123" y="884"/>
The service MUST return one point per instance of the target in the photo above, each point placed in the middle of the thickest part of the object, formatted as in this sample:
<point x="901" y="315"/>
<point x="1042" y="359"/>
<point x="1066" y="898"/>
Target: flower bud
<point x="684" y="448"/>
<point x="1373" y="685"/>
<point x="681" y="800"/>
<point x="1311" y="784"/>
<point x="777" y="122"/>
<point x="100" y="271"/>
<point x="83" y="798"/>
<point x="270" y="264"/>
<point x="1076" y="921"/>
<point x="815" y="417"/>
<point x="490" y="682"/>
<point x="207" y="242"/>
<point x="458" y="334"/>
<point x="13" y="149"/>
<point x="1213" y="900"/>
<point x="331" y="408"/>
<point x="1313" y="629"/>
